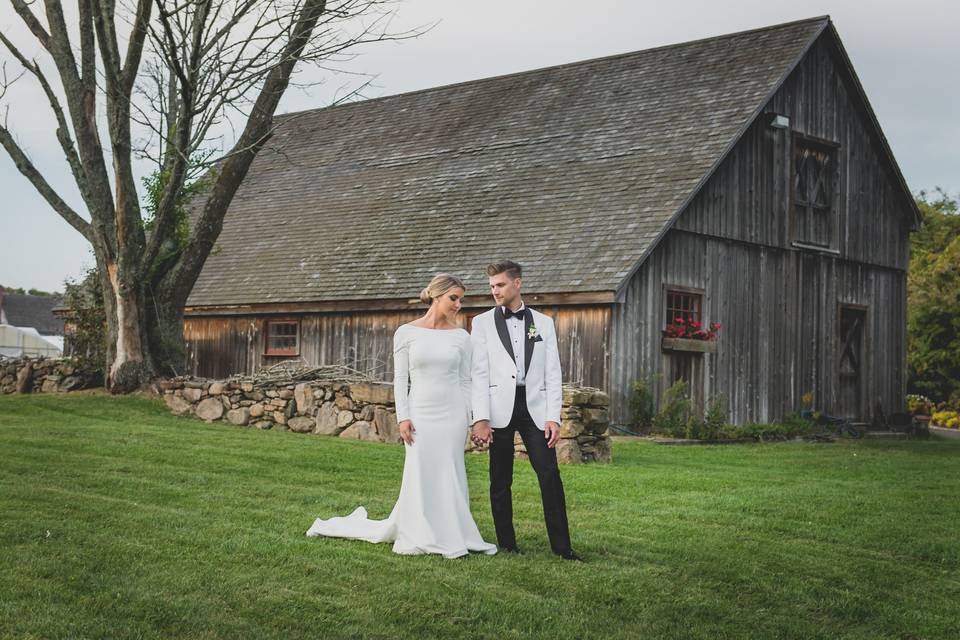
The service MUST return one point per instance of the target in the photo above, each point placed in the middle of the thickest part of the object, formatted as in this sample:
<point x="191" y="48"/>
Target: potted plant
<point x="921" y="409"/>
<point x="683" y="335"/>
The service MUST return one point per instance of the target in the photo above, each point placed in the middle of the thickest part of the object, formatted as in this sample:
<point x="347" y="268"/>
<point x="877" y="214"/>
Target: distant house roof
<point x="21" y="310"/>
<point x="574" y="171"/>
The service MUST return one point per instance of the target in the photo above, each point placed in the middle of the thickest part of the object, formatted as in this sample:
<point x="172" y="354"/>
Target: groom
<point x="516" y="388"/>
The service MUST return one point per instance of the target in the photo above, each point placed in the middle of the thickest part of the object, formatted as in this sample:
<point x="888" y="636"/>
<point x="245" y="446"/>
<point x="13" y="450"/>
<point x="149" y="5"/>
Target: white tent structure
<point x="27" y="341"/>
<point x="28" y="326"/>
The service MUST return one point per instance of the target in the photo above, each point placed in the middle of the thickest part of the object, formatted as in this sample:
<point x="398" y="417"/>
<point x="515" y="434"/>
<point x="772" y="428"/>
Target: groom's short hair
<point x="511" y="268"/>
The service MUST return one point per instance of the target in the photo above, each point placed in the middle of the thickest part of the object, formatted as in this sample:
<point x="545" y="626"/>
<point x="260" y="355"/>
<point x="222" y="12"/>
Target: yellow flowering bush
<point x="949" y="419"/>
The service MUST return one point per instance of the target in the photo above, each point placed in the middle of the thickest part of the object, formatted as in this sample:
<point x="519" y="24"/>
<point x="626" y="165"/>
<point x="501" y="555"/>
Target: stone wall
<point x="39" y="375"/>
<point x="357" y="410"/>
<point x="363" y="411"/>
<point x="584" y="422"/>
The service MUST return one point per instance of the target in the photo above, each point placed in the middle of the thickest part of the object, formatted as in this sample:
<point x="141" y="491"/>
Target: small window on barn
<point x="814" y="184"/>
<point x="282" y="338"/>
<point x="683" y="304"/>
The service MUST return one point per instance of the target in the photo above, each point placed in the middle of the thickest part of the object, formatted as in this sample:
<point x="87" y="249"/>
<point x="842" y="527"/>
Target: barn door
<point x="850" y="368"/>
<point x="684" y="305"/>
<point x="679" y="365"/>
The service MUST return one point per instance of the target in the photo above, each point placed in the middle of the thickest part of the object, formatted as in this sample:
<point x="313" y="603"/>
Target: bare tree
<point x="178" y="72"/>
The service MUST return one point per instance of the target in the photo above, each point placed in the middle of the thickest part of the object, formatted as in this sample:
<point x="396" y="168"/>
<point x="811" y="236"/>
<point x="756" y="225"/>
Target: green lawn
<point x="118" y="520"/>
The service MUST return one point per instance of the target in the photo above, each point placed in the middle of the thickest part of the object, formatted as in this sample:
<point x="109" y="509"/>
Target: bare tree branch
<point x="88" y="53"/>
<point x="27" y="168"/>
<point x="135" y="48"/>
<point x="60" y="46"/>
<point x="129" y="225"/>
<point x="103" y="20"/>
<point x="179" y="73"/>
<point x="234" y="169"/>
<point x="81" y="103"/>
<point x="178" y="152"/>
<point x="23" y="10"/>
<point x="63" y="130"/>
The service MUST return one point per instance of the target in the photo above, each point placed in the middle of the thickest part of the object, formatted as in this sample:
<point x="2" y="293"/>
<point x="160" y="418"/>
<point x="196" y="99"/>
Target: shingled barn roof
<point x="574" y="171"/>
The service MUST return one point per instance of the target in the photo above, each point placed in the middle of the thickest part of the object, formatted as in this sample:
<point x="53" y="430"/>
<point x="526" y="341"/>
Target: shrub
<point x="713" y="425"/>
<point x="642" y="410"/>
<point x="696" y="429"/>
<point x="948" y="419"/>
<point x="795" y="424"/>
<point x="674" y="411"/>
<point x="759" y="431"/>
<point x="86" y="341"/>
<point x="715" y="419"/>
<point x="790" y="426"/>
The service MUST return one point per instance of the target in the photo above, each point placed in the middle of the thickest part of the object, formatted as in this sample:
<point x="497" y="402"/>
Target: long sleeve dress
<point x="432" y="513"/>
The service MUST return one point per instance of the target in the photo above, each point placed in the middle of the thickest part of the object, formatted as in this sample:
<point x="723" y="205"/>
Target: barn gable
<point x="798" y="244"/>
<point x="763" y="155"/>
<point x="574" y="170"/>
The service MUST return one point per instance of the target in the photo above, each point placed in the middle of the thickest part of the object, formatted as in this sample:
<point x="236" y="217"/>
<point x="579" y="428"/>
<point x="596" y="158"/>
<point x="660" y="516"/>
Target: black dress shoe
<point x="570" y="555"/>
<point x="515" y="550"/>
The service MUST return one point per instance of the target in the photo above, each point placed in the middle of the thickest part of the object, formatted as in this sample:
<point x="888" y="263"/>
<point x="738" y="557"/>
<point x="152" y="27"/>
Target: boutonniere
<point x="533" y="334"/>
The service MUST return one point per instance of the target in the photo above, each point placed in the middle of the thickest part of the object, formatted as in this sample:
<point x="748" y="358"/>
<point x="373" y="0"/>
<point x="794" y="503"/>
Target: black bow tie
<point x="513" y="314"/>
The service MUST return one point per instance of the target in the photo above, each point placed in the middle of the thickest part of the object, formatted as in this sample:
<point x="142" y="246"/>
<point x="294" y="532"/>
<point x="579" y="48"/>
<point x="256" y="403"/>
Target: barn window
<point x="282" y="338"/>
<point x="814" y="164"/>
<point x="685" y="304"/>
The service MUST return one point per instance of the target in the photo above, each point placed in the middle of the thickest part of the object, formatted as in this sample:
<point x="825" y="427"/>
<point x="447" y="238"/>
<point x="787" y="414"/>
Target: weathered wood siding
<point x="780" y="338"/>
<point x="219" y="346"/>
<point x="779" y="302"/>
<point x="748" y="198"/>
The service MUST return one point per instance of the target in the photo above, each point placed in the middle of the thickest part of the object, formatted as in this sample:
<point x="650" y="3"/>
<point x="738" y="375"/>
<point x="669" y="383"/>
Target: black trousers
<point x="544" y="462"/>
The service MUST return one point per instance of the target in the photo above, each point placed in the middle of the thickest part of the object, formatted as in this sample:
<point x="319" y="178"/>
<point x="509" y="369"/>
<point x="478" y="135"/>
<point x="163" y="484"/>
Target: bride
<point x="432" y="514"/>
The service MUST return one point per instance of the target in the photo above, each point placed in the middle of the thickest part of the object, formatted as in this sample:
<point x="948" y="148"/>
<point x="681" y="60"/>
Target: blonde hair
<point x="441" y="283"/>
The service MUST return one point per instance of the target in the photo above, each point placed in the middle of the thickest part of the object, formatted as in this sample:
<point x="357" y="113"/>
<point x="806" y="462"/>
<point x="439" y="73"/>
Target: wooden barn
<point x="741" y="179"/>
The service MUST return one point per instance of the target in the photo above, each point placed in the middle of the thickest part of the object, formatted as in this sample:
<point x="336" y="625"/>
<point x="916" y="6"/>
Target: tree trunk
<point x="144" y="307"/>
<point x="128" y="358"/>
<point x="164" y="322"/>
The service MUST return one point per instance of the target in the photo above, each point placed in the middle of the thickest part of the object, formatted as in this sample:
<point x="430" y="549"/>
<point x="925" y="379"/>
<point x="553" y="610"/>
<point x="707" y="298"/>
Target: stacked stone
<point x="585" y="421"/>
<point x="360" y="411"/>
<point x="583" y="428"/>
<point x="364" y="411"/>
<point x="38" y="375"/>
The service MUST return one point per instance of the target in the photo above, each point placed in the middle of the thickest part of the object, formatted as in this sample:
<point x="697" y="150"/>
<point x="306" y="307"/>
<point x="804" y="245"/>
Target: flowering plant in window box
<point x="691" y="330"/>
<point x="683" y="335"/>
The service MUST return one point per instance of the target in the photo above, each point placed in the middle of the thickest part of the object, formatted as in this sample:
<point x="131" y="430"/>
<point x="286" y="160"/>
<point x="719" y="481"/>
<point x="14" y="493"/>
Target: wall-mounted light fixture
<point x="780" y="122"/>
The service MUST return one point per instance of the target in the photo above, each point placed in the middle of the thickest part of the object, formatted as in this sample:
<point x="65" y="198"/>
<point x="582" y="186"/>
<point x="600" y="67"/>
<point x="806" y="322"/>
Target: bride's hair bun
<point x="440" y="284"/>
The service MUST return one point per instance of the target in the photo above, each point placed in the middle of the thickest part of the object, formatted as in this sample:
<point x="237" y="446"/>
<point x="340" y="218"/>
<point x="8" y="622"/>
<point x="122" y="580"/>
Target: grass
<point x="118" y="520"/>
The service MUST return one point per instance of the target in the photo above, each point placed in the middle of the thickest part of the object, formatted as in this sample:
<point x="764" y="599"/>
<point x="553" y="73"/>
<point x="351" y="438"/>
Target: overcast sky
<point x="905" y="53"/>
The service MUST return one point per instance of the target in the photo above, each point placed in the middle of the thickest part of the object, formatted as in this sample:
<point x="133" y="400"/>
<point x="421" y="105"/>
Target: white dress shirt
<point x="515" y="328"/>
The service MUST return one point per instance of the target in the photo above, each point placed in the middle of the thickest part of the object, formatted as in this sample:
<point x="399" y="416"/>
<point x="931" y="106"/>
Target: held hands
<point x="551" y="432"/>
<point x="406" y="431"/>
<point x="482" y="433"/>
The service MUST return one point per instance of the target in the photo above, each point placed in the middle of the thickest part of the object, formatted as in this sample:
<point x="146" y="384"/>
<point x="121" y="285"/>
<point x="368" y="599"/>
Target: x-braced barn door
<point x="850" y="367"/>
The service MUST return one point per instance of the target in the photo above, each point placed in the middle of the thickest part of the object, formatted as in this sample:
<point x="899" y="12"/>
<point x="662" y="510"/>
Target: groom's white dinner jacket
<point x="495" y="369"/>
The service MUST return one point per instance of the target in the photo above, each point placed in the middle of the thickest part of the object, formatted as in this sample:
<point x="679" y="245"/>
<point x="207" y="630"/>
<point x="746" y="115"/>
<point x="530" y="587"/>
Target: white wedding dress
<point x="432" y="514"/>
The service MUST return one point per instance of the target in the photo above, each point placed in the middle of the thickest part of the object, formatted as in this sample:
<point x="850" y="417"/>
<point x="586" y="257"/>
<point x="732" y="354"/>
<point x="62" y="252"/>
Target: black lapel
<point x="501" y="323"/>
<point x="527" y="342"/>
